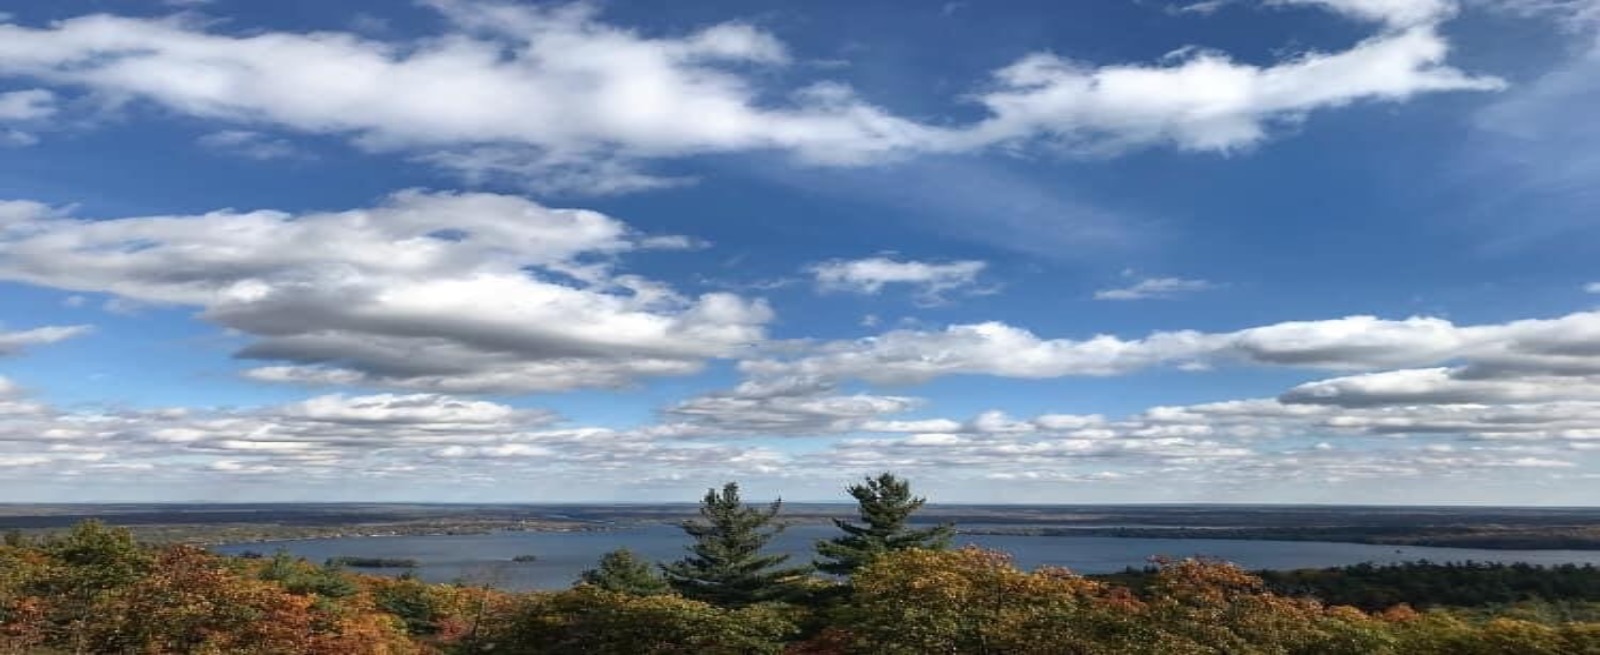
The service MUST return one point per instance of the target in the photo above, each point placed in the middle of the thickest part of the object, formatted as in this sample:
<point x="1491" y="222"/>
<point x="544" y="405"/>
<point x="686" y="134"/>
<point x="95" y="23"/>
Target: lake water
<point x="485" y="558"/>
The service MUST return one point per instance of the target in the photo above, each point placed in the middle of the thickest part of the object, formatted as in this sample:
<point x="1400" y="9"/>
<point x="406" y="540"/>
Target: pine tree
<point x="725" y="566"/>
<point x="622" y="571"/>
<point x="885" y="505"/>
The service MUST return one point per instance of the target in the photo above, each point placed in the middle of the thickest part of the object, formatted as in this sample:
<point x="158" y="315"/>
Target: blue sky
<point x="1284" y="251"/>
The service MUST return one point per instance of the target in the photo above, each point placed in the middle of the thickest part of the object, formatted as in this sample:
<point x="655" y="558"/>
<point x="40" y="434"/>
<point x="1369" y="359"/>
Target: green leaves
<point x="725" y="565"/>
<point x="623" y="572"/>
<point x="591" y="621"/>
<point x="885" y="504"/>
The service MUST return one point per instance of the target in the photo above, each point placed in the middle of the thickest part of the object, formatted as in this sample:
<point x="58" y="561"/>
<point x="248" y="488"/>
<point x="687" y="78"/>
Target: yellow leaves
<point x="977" y="601"/>
<point x="920" y="601"/>
<point x="592" y="620"/>
<point x="60" y="598"/>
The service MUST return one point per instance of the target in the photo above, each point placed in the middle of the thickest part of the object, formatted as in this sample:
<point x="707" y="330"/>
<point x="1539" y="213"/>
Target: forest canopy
<point x="97" y="590"/>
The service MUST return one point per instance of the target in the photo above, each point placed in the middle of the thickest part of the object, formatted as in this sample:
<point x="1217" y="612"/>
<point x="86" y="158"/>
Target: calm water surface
<point x="485" y="558"/>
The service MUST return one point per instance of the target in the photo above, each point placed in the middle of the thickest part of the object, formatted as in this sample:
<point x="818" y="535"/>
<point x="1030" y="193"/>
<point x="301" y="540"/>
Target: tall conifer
<point x="725" y="565"/>
<point x="885" y="505"/>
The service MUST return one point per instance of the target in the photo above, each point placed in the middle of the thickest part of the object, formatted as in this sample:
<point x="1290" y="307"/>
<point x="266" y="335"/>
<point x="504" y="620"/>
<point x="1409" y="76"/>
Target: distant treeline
<point x="1567" y="537"/>
<point x="891" y="589"/>
<point x="1420" y="584"/>
<point x="372" y="562"/>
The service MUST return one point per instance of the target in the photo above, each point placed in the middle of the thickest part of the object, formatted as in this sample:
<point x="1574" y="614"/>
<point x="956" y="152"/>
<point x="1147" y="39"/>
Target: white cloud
<point x="13" y="342"/>
<point x="1205" y="100"/>
<point x="1394" y="13"/>
<point x="789" y="407"/>
<point x="908" y="356"/>
<point x="914" y="426"/>
<point x="557" y="97"/>
<point x="1592" y="287"/>
<point x="31" y="104"/>
<point x="409" y="440"/>
<point x="442" y="292"/>
<point x="542" y="86"/>
<point x="249" y="144"/>
<point x="336" y="441"/>
<point x="390" y="408"/>
<point x="13" y="212"/>
<point x="1155" y="287"/>
<point x="546" y="171"/>
<point x="1569" y="421"/>
<point x="1204" y="8"/>
<point x="1576" y="15"/>
<point x="931" y="281"/>
<point x="1560" y="346"/>
<point x="28" y="107"/>
<point x="1247" y="442"/>
<point x="1433" y="386"/>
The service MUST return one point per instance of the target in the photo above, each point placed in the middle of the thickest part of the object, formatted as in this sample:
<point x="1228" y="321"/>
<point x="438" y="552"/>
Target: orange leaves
<point x="973" y="601"/>
<point x="1400" y="614"/>
<point x="97" y="592"/>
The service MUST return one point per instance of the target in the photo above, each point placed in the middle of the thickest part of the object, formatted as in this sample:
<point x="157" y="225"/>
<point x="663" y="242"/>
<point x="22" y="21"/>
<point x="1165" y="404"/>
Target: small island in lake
<point x="373" y="562"/>
<point x="525" y="558"/>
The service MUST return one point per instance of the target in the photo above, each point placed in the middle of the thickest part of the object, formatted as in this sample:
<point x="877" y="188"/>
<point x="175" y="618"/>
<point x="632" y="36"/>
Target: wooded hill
<point x="895" y="590"/>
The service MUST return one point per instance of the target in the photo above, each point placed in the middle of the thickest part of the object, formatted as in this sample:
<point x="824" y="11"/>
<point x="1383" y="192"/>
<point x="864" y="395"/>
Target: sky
<point x="1110" y="251"/>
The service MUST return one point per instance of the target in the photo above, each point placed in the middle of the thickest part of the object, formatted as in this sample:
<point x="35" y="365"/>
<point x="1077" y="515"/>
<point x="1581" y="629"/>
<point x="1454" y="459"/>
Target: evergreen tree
<point x="885" y="505"/>
<point x="623" y="572"/>
<point x="725" y="566"/>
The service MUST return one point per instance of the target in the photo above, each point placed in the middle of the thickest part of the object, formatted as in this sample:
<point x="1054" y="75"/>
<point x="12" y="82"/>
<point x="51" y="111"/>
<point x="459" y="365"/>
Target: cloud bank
<point x="558" y="99"/>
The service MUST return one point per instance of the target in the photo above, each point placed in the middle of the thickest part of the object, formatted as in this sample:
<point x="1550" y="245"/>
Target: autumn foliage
<point x="97" y="591"/>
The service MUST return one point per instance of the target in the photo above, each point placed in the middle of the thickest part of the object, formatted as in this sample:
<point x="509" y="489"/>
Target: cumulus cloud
<point x="910" y="356"/>
<point x="947" y="454"/>
<point x="1214" y="446"/>
<point x="1154" y="287"/>
<point x="14" y="342"/>
<point x="393" y="438"/>
<point x="1560" y="346"/>
<point x="565" y="101"/>
<point x="1565" y="415"/>
<point x="1518" y="400"/>
<point x="1205" y="100"/>
<point x="544" y="86"/>
<point x="430" y="291"/>
<point x="339" y="440"/>
<point x="930" y="281"/>
<point x="788" y="407"/>
<point x="1439" y="386"/>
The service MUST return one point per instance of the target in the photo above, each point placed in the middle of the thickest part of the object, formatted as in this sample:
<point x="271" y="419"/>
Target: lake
<point x="486" y="558"/>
